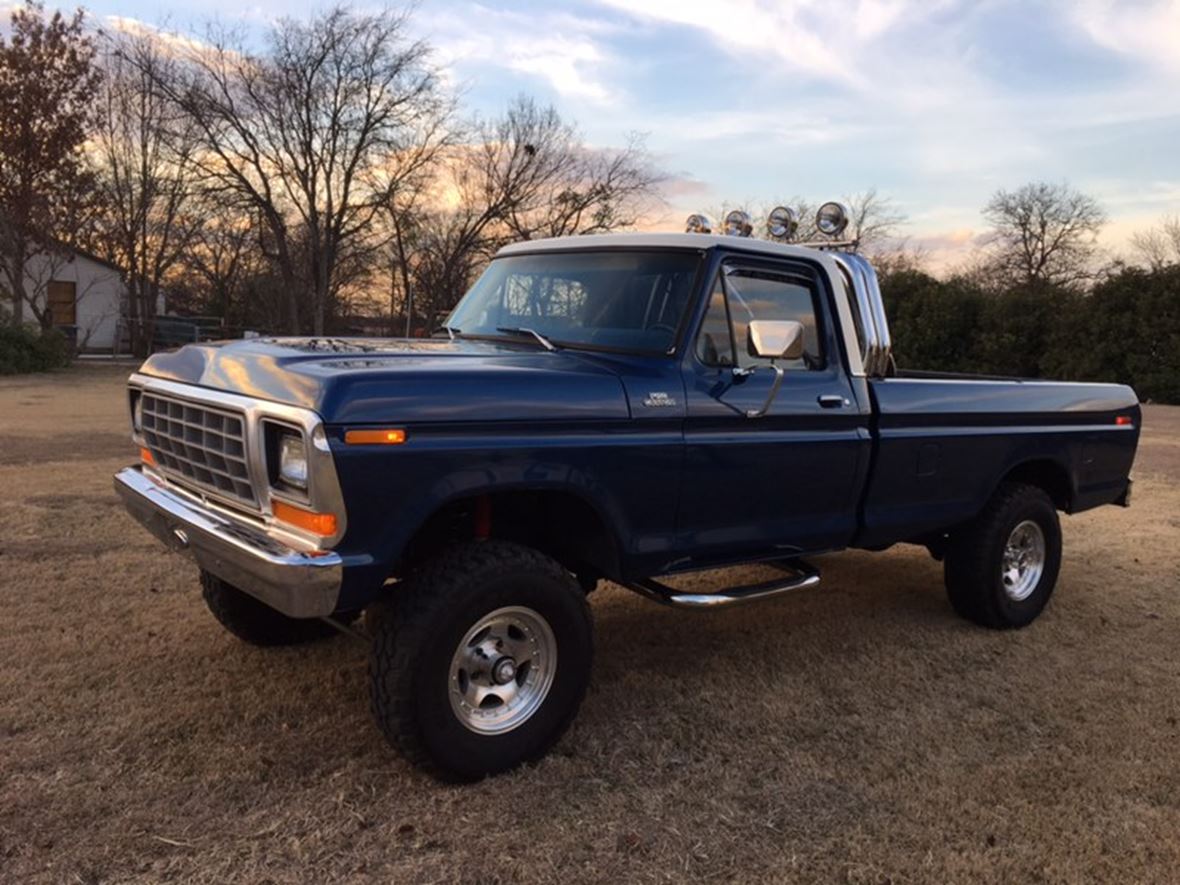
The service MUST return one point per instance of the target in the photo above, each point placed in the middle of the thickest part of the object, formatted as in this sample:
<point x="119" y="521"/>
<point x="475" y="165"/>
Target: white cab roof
<point x="665" y="241"/>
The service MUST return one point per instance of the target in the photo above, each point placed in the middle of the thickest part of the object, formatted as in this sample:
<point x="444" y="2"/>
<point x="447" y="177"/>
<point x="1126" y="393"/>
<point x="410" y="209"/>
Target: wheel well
<point x="1047" y="475"/>
<point x="557" y="523"/>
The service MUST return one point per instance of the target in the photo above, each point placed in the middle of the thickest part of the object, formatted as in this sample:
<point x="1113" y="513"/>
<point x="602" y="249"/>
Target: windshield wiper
<point x="451" y="331"/>
<point x="520" y="330"/>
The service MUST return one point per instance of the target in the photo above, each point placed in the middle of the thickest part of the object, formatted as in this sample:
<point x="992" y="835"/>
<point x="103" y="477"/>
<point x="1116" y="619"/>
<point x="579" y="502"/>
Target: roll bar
<point x="875" y="341"/>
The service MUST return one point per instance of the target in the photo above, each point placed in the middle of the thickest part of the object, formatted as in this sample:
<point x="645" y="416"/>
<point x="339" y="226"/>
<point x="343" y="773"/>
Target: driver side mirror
<point x="775" y="339"/>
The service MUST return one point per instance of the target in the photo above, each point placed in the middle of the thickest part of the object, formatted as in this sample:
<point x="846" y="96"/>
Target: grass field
<point x="856" y="733"/>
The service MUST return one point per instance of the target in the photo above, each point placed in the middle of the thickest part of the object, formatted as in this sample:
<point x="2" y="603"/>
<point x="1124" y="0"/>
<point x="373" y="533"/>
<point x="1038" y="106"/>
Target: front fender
<point x="629" y="478"/>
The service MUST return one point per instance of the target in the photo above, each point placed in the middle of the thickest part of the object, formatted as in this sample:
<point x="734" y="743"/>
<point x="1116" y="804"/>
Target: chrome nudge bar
<point x="861" y="280"/>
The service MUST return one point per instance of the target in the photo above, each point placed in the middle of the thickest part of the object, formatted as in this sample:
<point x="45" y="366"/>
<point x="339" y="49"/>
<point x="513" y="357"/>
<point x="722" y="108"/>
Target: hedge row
<point x="1126" y="330"/>
<point x="23" y="349"/>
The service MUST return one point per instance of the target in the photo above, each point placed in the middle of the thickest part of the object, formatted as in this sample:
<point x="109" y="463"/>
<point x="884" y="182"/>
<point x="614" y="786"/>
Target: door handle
<point x="832" y="401"/>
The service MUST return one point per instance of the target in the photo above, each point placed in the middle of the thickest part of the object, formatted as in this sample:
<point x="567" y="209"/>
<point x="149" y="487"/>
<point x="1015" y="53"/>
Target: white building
<point x="82" y="291"/>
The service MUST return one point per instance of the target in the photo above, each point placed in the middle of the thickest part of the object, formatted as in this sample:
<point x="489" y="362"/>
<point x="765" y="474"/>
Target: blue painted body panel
<point x="943" y="444"/>
<point x="659" y="445"/>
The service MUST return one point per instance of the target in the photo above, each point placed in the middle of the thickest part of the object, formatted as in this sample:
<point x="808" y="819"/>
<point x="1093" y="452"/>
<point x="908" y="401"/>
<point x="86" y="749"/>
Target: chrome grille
<point x="199" y="445"/>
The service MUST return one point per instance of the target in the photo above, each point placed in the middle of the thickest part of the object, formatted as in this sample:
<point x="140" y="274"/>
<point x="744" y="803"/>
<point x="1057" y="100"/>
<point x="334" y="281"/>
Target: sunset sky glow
<point x="936" y="103"/>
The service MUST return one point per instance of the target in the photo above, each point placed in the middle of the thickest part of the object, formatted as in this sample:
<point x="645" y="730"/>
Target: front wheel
<point x="480" y="660"/>
<point x="1001" y="568"/>
<point x="256" y="622"/>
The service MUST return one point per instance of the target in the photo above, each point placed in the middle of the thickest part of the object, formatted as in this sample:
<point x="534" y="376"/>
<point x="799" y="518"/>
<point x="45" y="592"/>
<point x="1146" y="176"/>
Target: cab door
<point x="788" y="481"/>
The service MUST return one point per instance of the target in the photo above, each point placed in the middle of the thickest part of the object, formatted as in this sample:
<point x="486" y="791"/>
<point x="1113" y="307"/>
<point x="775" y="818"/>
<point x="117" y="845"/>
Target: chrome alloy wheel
<point x="502" y="670"/>
<point x="1024" y="560"/>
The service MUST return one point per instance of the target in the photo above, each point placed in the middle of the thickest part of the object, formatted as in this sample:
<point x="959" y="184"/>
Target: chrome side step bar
<point x="803" y="575"/>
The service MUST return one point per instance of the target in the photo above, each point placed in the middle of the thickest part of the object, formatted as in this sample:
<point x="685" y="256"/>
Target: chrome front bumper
<point x="300" y="585"/>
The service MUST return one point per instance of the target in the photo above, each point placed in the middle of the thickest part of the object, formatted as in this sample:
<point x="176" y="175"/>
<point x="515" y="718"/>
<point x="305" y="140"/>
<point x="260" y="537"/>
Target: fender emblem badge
<point x="659" y="399"/>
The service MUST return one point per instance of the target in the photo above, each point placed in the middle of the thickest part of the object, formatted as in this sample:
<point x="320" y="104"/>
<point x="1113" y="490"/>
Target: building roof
<point x="90" y="256"/>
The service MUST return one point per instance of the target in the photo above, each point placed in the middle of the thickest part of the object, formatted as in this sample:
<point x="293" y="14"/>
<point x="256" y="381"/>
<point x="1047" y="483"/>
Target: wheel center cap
<point x="504" y="671"/>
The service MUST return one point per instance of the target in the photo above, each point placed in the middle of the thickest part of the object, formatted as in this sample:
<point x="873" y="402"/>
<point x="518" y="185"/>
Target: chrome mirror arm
<point x="778" y="382"/>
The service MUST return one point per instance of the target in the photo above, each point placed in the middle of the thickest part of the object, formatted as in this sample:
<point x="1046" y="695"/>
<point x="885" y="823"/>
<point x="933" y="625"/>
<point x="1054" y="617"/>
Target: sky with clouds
<point x="936" y="103"/>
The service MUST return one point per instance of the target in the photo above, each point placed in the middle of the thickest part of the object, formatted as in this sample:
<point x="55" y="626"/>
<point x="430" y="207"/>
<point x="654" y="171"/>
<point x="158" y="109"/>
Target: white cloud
<point x="1149" y="33"/>
<point x="563" y="50"/>
<point x="564" y="63"/>
<point x="898" y="68"/>
<point x="774" y="29"/>
<point x="821" y="40"/>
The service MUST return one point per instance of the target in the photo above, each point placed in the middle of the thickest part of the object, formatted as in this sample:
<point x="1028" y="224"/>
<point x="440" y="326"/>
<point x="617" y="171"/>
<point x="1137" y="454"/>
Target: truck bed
<point x="942" y="441"/>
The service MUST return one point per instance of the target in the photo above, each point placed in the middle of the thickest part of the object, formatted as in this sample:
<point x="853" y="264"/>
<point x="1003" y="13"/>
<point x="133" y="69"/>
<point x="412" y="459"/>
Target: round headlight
<point x="831" y="219"/>
<point x="293" y="460"/>
<point x="698" y="224"/>
<point x="782" y="223"/>
<point x="737" y="224"/>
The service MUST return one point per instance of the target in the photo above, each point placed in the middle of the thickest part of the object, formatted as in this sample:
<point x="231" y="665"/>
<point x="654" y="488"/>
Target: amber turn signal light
<point x="323" y="524"/>
<point x="145" y="456"/>
<point x="386" y="436"/>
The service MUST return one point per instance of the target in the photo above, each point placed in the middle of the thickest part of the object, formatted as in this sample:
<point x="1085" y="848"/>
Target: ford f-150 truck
<point x="623" y="407"/>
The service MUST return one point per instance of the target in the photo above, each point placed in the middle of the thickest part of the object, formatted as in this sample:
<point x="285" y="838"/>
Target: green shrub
<point x="1127" y="330"/>
<point x="28" y="350"/>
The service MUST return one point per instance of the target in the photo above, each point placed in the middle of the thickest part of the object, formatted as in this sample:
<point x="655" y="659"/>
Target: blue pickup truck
<point x="623" y="407"/>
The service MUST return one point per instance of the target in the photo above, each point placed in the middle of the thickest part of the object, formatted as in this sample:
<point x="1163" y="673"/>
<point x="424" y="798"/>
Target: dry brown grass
<point x="857" y="733"/>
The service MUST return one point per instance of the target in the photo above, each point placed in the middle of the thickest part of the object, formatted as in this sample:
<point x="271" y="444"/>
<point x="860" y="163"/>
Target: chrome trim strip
<point x="880" y="320"/>
<point x="324" y="494"/>
<point x="854" y="278"/>
<point x="847" y="322"/>
<point x="298" y="584"/>
<point x="859" y="274"/>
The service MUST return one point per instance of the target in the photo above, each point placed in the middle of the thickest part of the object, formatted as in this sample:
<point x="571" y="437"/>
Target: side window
<point x="755" y="294"/>
<point x="714" y="344"/>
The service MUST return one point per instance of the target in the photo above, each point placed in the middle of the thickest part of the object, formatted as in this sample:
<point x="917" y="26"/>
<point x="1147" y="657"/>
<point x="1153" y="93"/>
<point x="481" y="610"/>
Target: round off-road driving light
<point x="737" y="224"/>
<point x="698" y="224"/>
<point x="831" y="219"/>
<point x="782" y="223"/>
<point x="293" y="460"/>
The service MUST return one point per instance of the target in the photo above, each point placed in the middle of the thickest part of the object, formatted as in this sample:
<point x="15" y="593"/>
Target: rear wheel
<point x="1001" y="568"/>
<point x="480" y="660"/>
<point x="256" y="622"/>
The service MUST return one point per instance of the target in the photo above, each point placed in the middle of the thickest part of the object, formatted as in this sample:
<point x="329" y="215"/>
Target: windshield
<point x="612" y="299"/>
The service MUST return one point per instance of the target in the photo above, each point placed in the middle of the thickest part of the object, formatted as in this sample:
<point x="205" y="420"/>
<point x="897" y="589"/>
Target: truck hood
<point x="365" y="380"/>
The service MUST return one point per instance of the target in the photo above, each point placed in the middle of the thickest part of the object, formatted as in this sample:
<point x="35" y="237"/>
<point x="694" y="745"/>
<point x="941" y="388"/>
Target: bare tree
<point x="1043" y="234"/>
<point x="223" y="256"/>
<point x="874" y="223"/>
<point x="313" y="135"/>
<point x="146" y="153"/>
<point x="47" y="86"/>
<point x="525" y="175"/>
<point x="1158" y="247"/>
